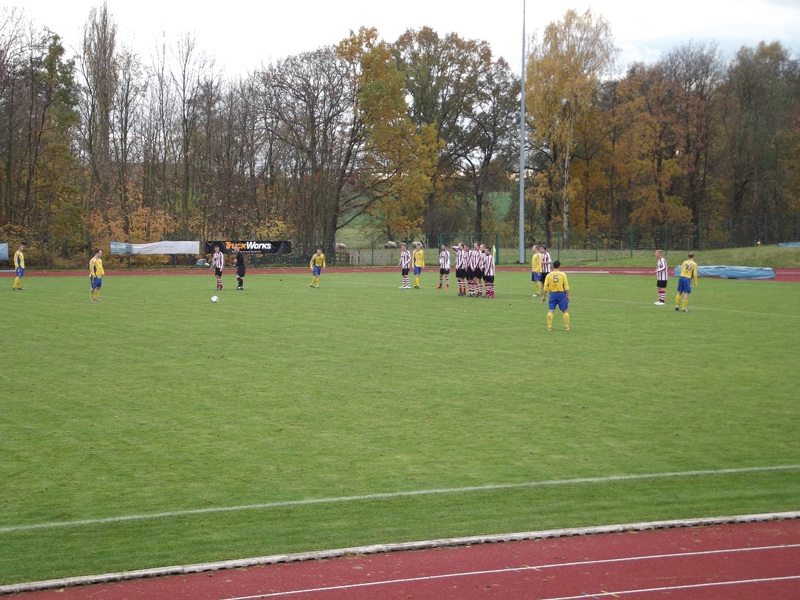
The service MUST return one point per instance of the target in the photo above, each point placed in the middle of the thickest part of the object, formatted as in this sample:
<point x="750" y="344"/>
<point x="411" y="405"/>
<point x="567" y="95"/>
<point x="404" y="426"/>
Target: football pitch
<point x="156" y="428"/>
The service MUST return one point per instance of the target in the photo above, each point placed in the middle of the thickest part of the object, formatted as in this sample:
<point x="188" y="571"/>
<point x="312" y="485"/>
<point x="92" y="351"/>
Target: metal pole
<point x="43" y="250"/>
<point x="558" y="245"/>
<point x="295" y="249"/>
<point x="765" y="229"/>
<point x="631" y="241"/>
<point x="522" y="148"/>
<point x="699" y="234"/>
<point x="596" y="245"/>
<point x="730" y="232"/>
<point x="373" y="250"/>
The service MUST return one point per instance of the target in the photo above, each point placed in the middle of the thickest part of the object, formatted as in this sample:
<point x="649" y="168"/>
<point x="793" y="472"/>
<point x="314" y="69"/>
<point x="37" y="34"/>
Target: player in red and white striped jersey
<point x="462" y="257"/>
<point x="475" y="262"/>
<point x="218" y="265"/>
<point x="488" y="271"/>
<point x="662" y="274"/>
<point x="405" y="264"/>
<point x="444" y="267"/>
<point x="547" y="262"/>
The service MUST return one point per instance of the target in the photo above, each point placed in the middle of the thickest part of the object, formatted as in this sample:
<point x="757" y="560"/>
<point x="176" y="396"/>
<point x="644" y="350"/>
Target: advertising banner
<point x="156" y="248"/>
<point x="250" y="247"/>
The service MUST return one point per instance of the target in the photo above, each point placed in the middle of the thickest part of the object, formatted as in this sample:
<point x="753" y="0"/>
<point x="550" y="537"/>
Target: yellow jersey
<point x="96" y="267"/>
<point x="536" y="263"/>
<point x="689" y="270"/>
<point x="556" y="282"/>
<point x="19" y="260"/>
<point x="418" y="259"/>
<point x="318" y="260"/>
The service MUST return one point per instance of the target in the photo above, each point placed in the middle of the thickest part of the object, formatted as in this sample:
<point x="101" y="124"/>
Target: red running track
<point x="786" y="275"/>
<point x="730" y="562"/>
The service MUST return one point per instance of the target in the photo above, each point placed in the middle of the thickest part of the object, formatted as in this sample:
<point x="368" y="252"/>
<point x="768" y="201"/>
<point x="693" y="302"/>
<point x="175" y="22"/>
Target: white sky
<point x="241" y="34"/>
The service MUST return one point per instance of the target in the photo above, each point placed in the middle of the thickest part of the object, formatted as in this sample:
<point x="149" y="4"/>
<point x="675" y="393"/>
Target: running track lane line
<point x="387" y="495"/>
<point x="539" y="567"/>
<point x="673" y="587"/>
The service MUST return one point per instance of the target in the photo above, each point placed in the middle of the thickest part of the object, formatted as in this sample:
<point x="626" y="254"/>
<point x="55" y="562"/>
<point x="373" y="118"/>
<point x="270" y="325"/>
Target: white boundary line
<point x="388" y="495"/>
<point x="515" y="569"/>
<point x="385" y="548"/>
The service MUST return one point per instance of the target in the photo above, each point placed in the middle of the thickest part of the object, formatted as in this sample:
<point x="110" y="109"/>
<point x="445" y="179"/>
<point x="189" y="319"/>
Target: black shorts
<point x="240" y="271"/>
<point x="470" y="273"/>
<point x="405" y="272"/>
<point x="461" y="273"/>
<point x="661" y="283"/>
<point x="478" y="273"/>
<point x="488" y="278"/>
<point x="444" y="271"/>
<point x="217" y="271"/>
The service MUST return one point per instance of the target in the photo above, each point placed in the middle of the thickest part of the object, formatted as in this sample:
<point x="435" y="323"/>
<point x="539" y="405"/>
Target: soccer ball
<point x="214" y="299"/>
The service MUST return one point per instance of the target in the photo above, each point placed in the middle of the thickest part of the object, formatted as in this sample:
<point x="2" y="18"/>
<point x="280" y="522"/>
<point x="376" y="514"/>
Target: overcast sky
<point x="241" y="34"/>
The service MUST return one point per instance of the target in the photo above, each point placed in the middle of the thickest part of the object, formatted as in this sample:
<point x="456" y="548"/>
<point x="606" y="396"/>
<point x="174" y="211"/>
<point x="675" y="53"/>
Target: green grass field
<point x="157" y="400"/>
<point x="757" y="256"/>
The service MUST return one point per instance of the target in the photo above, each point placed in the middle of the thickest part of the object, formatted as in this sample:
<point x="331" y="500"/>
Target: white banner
<point x="156" y="248"/>
<point x="3" y="251"/>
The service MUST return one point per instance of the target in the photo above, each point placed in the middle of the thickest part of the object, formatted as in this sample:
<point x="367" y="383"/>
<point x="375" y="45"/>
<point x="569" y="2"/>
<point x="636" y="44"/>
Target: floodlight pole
<point x="522" y="149"/>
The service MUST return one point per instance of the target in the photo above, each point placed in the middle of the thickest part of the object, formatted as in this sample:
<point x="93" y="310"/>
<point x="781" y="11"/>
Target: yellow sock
<point x="16" y="282"/>
<point x="566" y="319"/>
<point x="549" y="320"/>
<point x="538" y="287"/>
<point x="416" y="281"/>
<point x="677" y="300"/>
<point x="685" y="302"/>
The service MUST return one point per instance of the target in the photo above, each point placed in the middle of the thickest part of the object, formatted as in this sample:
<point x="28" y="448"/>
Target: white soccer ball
<point x="214" y="299"/>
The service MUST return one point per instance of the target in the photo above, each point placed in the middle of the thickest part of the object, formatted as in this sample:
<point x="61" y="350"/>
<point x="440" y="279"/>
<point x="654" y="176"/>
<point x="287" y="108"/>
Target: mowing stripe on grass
<point x="387" y="495"/>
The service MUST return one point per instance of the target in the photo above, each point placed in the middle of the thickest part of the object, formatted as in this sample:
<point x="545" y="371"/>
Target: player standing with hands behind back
<point x="662" y="274"/>
<point x="19" y="267"/>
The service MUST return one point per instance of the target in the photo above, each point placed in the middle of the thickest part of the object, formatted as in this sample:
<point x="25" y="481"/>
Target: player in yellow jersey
<point x="317" y="262"/>
<point x="688" y="273"/>
<point x="417" y="261"/>
<point x="19" y="267"/>
<point x="556" y="284"/>
<point x="96" y="275"/>
<point x="536" y="270"/>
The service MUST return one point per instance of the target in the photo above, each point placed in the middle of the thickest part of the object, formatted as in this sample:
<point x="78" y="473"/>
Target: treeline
<point x="407" y="137"/>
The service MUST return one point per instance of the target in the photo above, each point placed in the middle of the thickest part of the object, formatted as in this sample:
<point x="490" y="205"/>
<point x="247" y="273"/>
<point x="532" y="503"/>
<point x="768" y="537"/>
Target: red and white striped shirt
<point x="662" y="273"/>
<point x="405" y="259"/>
<point x="475" y="259"/>
<point x="461" y="257"/>
<point x="488" y="264"/>
<point x="444" y="260"/>
<point x="218" y="261"/>
<point x="546" y="262"/>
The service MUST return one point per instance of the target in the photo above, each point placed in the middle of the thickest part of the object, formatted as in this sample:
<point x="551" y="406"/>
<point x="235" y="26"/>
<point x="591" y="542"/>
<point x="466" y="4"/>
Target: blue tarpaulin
<point x="726" y="272"/>
<point x="3" y="251"/>
<point x="790" y="245"/>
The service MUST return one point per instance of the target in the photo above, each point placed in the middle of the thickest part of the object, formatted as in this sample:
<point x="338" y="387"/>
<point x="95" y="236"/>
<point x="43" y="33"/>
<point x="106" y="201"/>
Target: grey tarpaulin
<point x="156" y="248"/>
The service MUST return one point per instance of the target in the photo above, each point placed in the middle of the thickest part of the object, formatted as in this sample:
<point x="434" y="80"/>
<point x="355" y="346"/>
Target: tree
<point x="563" y="73"/>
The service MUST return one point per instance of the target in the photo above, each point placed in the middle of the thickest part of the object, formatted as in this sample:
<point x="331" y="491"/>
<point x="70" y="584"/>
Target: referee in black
<point x="240" y="267"/>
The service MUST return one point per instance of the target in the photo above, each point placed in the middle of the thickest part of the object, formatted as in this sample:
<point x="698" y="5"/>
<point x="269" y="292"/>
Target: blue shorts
<point x="684" y="285"/>
<point x="536" y="276"/>
<point x="317" y="270"/>
<point x="417" y="270"/>
<point x="97" y="283"/>
<point x="558" y="299"/>
<point x="20" y="272"/>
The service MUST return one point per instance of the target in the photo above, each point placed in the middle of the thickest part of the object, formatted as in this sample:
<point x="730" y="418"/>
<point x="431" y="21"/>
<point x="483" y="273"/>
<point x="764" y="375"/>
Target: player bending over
<point x="688" y="273"/>
<point x="556" y="284"/>
<point x="317" y="262"/>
